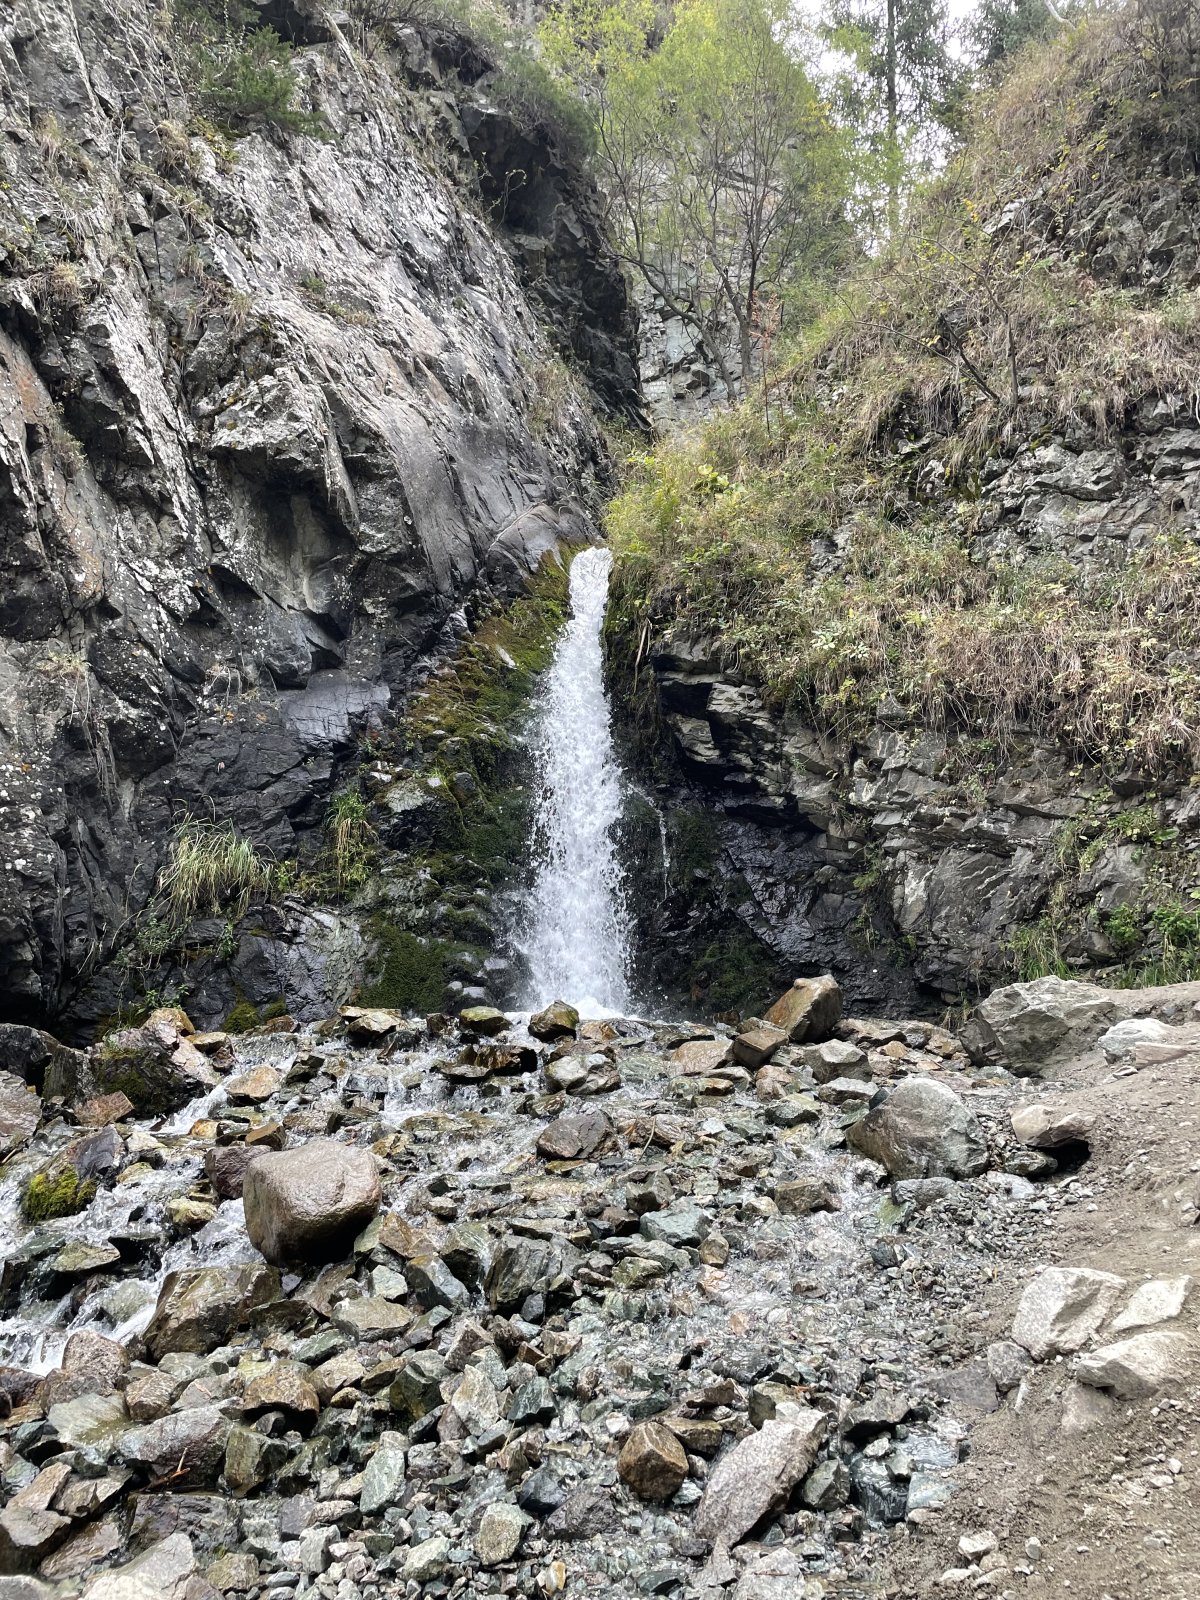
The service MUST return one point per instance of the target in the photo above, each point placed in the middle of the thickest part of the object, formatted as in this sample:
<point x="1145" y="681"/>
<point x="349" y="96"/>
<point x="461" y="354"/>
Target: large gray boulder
<point x="759" y="1474"/>
<point x="921" y="1130"/>
<point x="308" y="1205"/>
<point x="1026" y="1027"/>
<point x="1062" y="1308"/>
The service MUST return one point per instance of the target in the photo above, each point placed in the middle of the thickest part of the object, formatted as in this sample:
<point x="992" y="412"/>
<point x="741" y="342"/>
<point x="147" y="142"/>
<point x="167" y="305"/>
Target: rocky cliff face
<point x="273" y="408"/>
<point x="935" y="857"/>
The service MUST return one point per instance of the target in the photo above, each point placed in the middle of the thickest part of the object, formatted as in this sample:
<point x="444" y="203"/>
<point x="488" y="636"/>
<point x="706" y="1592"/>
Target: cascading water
<point x="575" y="939"/>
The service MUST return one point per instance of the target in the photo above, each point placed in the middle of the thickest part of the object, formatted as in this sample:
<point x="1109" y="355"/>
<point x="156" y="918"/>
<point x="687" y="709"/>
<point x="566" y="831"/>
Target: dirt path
<point x="1113" y="1512"/>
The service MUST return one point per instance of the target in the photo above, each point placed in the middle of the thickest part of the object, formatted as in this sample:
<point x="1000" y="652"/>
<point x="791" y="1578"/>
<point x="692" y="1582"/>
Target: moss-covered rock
<point x="56" y="1194"/>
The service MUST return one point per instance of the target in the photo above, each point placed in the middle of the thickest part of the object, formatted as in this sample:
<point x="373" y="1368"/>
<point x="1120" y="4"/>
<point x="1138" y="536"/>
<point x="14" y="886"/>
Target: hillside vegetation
<point x="836" y="532"/>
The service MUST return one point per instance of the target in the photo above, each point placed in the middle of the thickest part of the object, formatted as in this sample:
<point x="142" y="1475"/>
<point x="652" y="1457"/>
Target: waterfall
<point x="574" y="937"/>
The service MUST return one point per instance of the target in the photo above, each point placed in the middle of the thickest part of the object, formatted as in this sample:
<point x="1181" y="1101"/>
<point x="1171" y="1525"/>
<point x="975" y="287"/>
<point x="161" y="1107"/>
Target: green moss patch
<point x="56" y="1194"/>
<point x="411" y="972"/>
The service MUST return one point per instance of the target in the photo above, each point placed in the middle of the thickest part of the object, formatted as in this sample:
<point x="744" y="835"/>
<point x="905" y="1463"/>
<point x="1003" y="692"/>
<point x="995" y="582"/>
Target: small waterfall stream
<point x="574" y="935"/>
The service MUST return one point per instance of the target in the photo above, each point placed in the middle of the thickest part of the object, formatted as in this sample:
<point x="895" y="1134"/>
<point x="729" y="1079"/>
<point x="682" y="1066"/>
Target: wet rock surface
<point x="280" y="411"/>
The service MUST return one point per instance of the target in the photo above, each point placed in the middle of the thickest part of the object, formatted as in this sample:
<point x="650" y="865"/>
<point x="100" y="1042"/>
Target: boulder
<point x="156" y="1066"/>
<point x="199" y="1307"/>
<point x="681" y="1223"/>
<point x="1047" y="1128"/>
<point x="417" y="1387"/>
<point x="252" y="1087"/>
<point x="1025" y="1027"/>
<point x="758" y="1475"/>
<point x="921" y="1129"/>
<point x="29" y="1528"/>
<point x="20" y="1113"/>
<point x="557" y="1021"/>
<point x="89" y="1421"/>
<point x="162" y="1573"/>
<point x="91" y="1364"/>
<point x="1161" y="1300"/>
<point x="1138" y="1367"/>
<point x="696" y="1057"/>
<point x="186" y="1447"/>
<point x="306" y="1206"/>
<point x="755" y="1047"/>
<point x="483" y="1019"/>
<point x="499" y="1533"/>
<point x="576" y="1138"/>
<point x="652" y="1462"/>
<point x="800" y="1197"/>
<point x="286" y="1386"/>
<point x="1062" y="1308"/>
<point x="383" y="1476"/>
<point x="427" y="1560"/>
<point x="835" y="1058"/>
<point x="225" y="1168"/>
<point x="524" y="1267"/>
<point x="809" y="1011"/>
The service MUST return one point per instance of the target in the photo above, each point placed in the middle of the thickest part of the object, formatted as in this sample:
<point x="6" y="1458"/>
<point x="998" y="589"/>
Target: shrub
<point x="242" y="70"/>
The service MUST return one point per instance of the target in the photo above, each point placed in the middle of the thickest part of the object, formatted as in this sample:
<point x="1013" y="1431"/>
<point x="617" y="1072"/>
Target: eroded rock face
<point x="308" y="1205"/>
<point x="266" y="426"/>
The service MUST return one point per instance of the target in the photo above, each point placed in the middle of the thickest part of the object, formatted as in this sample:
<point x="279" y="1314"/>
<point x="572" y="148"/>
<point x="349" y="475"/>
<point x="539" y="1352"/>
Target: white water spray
<point x="575" y="937"/>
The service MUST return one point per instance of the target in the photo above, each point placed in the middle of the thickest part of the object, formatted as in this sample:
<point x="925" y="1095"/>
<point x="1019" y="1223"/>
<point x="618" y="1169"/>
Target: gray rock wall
<point x="272" y="409"/>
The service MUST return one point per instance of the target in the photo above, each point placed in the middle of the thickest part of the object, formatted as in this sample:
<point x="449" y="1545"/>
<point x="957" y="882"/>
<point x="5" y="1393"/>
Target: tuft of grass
<point x="212" y="870"/>
<point x="350" y="836"/>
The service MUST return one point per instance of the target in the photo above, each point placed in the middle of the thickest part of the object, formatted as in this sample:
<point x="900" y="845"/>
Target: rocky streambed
<point x="494" y="1305"/>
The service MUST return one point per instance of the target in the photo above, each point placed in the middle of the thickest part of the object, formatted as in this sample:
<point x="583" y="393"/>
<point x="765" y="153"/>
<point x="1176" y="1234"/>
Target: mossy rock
<point x="412" y="972"/>
<point x="142" y="1069"/>
<point x="56" y="1194"/>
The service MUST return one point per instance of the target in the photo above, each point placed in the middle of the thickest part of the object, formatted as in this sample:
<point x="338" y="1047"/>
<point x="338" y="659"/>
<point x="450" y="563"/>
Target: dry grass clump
<point x="212" y="870"/>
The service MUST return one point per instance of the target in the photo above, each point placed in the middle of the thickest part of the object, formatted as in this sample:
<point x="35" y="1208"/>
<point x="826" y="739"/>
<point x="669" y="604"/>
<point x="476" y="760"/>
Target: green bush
<point x="242" y="70"/>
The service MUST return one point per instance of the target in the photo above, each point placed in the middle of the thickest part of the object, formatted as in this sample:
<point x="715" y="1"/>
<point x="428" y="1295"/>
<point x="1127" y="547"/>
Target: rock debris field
<point x="491" y="1305"/>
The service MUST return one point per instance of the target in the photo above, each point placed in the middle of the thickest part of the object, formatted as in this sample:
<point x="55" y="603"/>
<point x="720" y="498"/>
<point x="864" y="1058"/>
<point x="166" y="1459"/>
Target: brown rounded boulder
<point x="306" y="1206"/>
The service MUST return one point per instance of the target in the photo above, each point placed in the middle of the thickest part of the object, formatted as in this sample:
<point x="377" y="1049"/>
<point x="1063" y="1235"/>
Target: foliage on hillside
<point x="985" y="328"/>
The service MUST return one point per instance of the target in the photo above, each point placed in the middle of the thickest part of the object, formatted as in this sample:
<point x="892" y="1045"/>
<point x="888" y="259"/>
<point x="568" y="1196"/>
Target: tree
<point x="899" y="86"/>
<point x="999" y="28"/>
<point x="723" y="175"/>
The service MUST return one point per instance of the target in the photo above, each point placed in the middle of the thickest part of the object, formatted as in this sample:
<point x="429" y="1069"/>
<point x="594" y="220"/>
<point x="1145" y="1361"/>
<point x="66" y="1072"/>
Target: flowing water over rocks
<point x="629" y="1301"/>
<point x="577" y="944"/>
